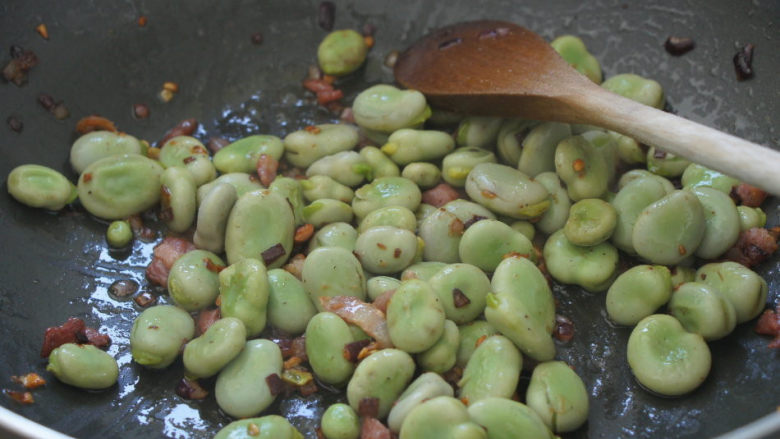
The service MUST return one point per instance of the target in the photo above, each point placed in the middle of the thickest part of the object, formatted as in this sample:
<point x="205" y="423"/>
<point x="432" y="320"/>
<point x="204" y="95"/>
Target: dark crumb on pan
<point x="326" y="15"/>
<point x="679" y="45"/>
<point x="743" y="62"/>
<point x="257" y="38"/>
<point x="15" y="124"/>
<point x="140" y="111"/>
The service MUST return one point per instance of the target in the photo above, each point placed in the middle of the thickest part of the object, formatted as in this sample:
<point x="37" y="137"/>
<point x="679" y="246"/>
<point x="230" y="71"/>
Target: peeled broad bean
<point x="605" y="144"/>
<point x="386" y="191"/>
<point x="442" y="417"/>
<point x="507" y="191"/>
<point x="486" y="243"/>
<point x="117" y="187"/>
<point x="326" y="336"/>
<point x="582" y="167"/>
<point x="386" y="249"/>
<point x="665" y="164"/>
<point x="441" y="356"/>
<point x="83" y="365"/>
<point x="341" y="52"/>
<point x="682" y="274"/>
<point x="422" y="270"/>
<point x="244" y="291"/>
<point x="206" y="355"/>
<point x="457" y="164"/>
<point x="670" y="229"/>
<point x="326" y="211"/>
<point x="240" y="181"/>
<point x="39" y="186"/>
<point x="346" y="167"/>
<point x="558" y="395"/>
<point x="213" y="216"/>
<point x="629" y="150"/>
<point x="158" y="335"/>
<point x="241" y="389"/>
<point x="478" y="131"/>
<point x="340" y="421"/>
<point x="333" y="271"/>
<point x="746" y="290"/>
<point x="423" y="174"/>
<point x="504" y="419"/>
<point x="193" y="282"/>
<point x="96" y="145"/>
<point x="665" y="358"/>
<point x="638" y="292"/>
<point x="702" y="309"/>
<point x="415" y="316"/>
<point x="178" y="201"/>
<point x="750" y="217"/>
<point x="119" y="234"/>
<point x="629" y="203"/>
<point x="509" y="140"/>
<point x="637" y="88"/>
<point x="520" y="289"/>
<point x="397" y="216"/>
<point x="381" y="164"/>
<point x="556" y="215"/>
<point x="261" y="225"/>
<point x="427" y="386"/>
<point x="524" y="227"/>
<point x="338" y="234"/>
<point x="385" y="108"/>
<point x="321" y="186"/>
<point x="289" y="305"/>
<point x="573" y="50"/>
<point x="407" y="145"/>
<point x="242" y="155"/>
<point x="441" y="231"/>
<point x="470" y="333"/>
<point x="188" y="152"/>
<point x="591" y="222"/>
<point x="721" y="222"/>
<point x="303" y="147"/>
<point x="383" y="375"/>
<point x="493" y="370"/>
<point x="291" y="190"/>
<point x="468" y="211"/>
<point x="592" y="268"/>
<point x="377" y="285"/>
<point x="636" y="174"/>
<point x="696" y="175"/>
<point x="266" y="427"/>
<point x="462" y="289"/>
<point x="538" y="148"/>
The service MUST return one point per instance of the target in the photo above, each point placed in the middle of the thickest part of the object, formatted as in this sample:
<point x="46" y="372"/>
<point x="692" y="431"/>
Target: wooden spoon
<point x="501" y="69"/>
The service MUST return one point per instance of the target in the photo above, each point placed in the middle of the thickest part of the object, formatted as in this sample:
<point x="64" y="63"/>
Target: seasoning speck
<point x="257" y="38"/>
<point x="142" y="21"/>
<point x="42" y="31"/>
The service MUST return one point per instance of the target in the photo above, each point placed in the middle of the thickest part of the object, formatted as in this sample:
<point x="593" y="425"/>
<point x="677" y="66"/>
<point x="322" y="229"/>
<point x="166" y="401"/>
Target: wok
<point x="99" y="60"/>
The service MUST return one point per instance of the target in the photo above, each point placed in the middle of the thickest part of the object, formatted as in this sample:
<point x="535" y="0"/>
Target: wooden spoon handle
<point x="747" y="161"/>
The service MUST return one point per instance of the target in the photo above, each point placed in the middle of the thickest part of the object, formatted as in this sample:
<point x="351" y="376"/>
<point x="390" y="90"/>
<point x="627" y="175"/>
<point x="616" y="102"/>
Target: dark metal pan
<point x="99" y="60"/>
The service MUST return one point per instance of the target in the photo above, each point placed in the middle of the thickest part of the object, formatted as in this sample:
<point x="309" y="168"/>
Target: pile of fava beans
<point x="420" y="290"/>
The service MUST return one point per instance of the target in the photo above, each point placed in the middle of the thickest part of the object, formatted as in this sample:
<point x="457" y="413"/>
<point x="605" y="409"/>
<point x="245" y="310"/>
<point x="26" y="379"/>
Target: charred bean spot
<point x="459" y="299"/>
<point x="681" y="249"/>
<point x="456" y="227"/>
<point x="273" y="253"/>
<point x="188" y="160"/>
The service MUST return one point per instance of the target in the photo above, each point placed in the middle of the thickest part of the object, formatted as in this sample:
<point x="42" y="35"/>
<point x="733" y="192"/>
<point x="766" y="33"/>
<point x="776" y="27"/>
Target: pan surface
<point x="99" y="60"/>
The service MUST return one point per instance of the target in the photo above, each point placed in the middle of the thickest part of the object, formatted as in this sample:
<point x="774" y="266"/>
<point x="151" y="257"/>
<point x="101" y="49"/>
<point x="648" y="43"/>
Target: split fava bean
<point x="558" y="396"/>
<point x="441" y="356"/>
<point x="407" y="145"/>
<point x="303" y="147"/>
<point x="83" y="365"/>
<point x="638" y="292"/>
<point x="289" y="305"/>
<point x="462" y="289"/>
<point x="573" y="50"/>
<point x="266" y="427"/>
<point x="158" y="334"/>
<point x="538" y="147"/>
<point x="702" y="309"/>
<point x="178" y="199"/>
<point x="383" y="375"/>
<point x="241" y="389"/>
<point x="670" y="229"/>
<point x="212" y="218"/>
<point x="261" y="225"/>
<point x="333" y="271"/>
<point x="96" y="145"/>
<point x="338" y="234"/>
<point x="242" y="155"/>
<point x="326" y="336"/>
<point x="486" y="243"/>
<point x="193" y="283"/>
<point x="478" y="131"/>
<point x="507" y="191"/>
<point x="341" y="52"/>
<point x="40" y="186"/>
<point x="592" y="268"/>
<point x="591" y="221"/>
<point x="415" y="316"/>
<point x="244" y="291"/>
<point x="746" y="290"/>
<point x="206" y="355"/>
<point x="427" y="386"/>
<point x="385" y="108"/>
<point x="493" y="370"/>
<point x="441" y="417"/>
<point x="340" y="421"/>
<point x="504" y="419"/>
<point x="386" y="249"/>
<point x="665" y="358"/>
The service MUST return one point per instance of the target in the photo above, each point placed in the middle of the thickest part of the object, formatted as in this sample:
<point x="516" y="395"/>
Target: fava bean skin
<point x="750" y="217"/>
<point x="696" y="175"/>
<point x="386" y="191"/>
<point x="442" y="417"/>
<point x="39" y="186"/>
<point x="582" y="167"/>
<point x="422" y="270"/>
<point x="303" y="147"/>
<point x="382" y="375"/>
<point x="637" y="88"/>
<point x="558" y="396"/>
<point x="591" y="222"/>
<point x="722" y="225"/>
<point x="267" y="427"/>
<point x="381" y="164"/>
<point x="555" y="217"/>
<point x="470" y="333"/>
<point x="457" y="164"/>
<point x="241" y="390"/>
<point x="629" y="203"/>
<point x="478" y="131"/>
<point x="397" y="216"/>
<point x="423" y="174"/>
<point x="746" y="290"/>
<point x="83" y="366"/>
<point x="665" y="164"/>
<point x="158" y="334"/>
<point x="212" y="218"/>
<point x="470" y="282"/>
<point x="340" y="422"/>
<point x="386" y="249"/>
<point x="178" y="199"/>
<point x="573" y="50"/>
<point x="406" y="145"/>
<point x="538" y="149"/>
<point x="242" y="155"/>
<point x="244" y="291"/>
<point x="240" y="181"/>
<point x="206" y="355"/>
<point x="338" y="234"/>
<point x="504" y="418"/>
<point x="487" y="242"/>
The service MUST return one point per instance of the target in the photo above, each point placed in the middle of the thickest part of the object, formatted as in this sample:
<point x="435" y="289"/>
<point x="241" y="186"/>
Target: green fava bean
<point x="383" y="375"/>
<point x="592" y="268"/>
<point x="266" y="427"/>
<point x="326" y="336"/>
<point x="386" y="249"/>
<point x="520" y="289"/>
<point x="96" y="145"/>
<point x="158" y="335"/>
<point x="407" y="145"/>
<point x="415" y="316"/>
<point x="555" y="217"/>
<point x="702" y="309"/>
<point x="510" y="137"/>
<point x="423" y="174"/>
<point x="333" y="271"/>
<point x="440" y="357"/>
<point x="291" y="190"/>
<point x="261" y="224"/>
<point x="240" y="181"/>
<point x="629" y="150"/>
<point x="178" y="201"/>
<point x="485" y="244"/>
<point x="441" y="231"/>
<point x="338" y="234"/>
<point x="242" y="155"/>
<point x="241" y="389"/>
<point x="303" y="147"/>
<point x="470" y="334"/>
<point x="398" y="216"/>
<point x="605" y="145"/>
<point x="188" y="152"/>
<point x="117" y="187"/>
<point x="721" y="229"/>
<point x="386" y="191"/>
<point x="591" y="222"/>
<point x="665" y="164"/>
<point x="441" y="417"/>
<point x="538" y="149"/>
<point x="681" y="274"/>
<point x="119" y="234"/>
<point x="192" y="282"/>
<point x="746" y="290"/>
<point x="83" y="366"/>
<point x="341" y="52"/>
<point x="340" y="421"/>
<point x="462" y="289"/>
<point x="504" y="419"/>
<point x="381" y="164"/>
<point x="493" y="370"/>
<point x="377" y="285"/>
<point x="244" y="291"/>
<point x="638" y="292"/>
<point x="582" y="167"/>
<point x="524" y="227"/>
<point x="427" y="386"/>
<point x="457" y="164"/>
<point x="665" y="358"/>
<point x="637" y="88"/>
<point x="629" y="203"/>
<point x="289" y="305"/>
<point x="212" y="218"/>
<point x="346" y="167"/>
<point x="321" y="186"/>
<point x="326" y="211"/>
<point x="467" y="211"/>
<point x="507" y="191"/>
<point x="422" y="270"/>
<point x="478" y="131"/>
<point x="696" y="175"/>
<point x="636" y="174"/>
<point x="670" y="229"/>
<point x="750" y="217"/>
<point x="39" y="186"/>
<point x="558" y="395"/>
<point x="385" y="108"/>
<point x="573" y="50"/>
<point x="206" y="355"/>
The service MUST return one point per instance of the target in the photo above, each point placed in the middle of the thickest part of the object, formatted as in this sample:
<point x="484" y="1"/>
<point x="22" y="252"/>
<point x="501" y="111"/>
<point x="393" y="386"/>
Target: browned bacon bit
<point x="769" y="324"/>
<point x="165" y="254"/>
<point x="20" y="397"/>
<point x="350" y="351"/>
<point x="383" y="300"/>
<point x="57" y="336"/>
<point x="308" y="389"/>
<point x="753" y="247"/>
<point x="303" y="233"/>
<point x="275" y="384"/>
<point x="453" y="375"/>
<point x="30" y="381"/>
<point x="140" y="111"/>
<point x="188" y="160"/>
<point x="187" y="127"/>
<point x="142" y="20"/>
<point x="316" y="85"/>
<point x="456" y="227"/>
<point x="273" y="253"/>
<point x="252" y="429"/>
<point x="46" y="101"/>
<point x="327" y="96"/>
<point x="266" y="169"/>
<point x="312" y="129"/>
<point x="191" y="389"/>
<point x="369" y="40"/>
<point x="459" y="299"/>
<point x="679" y="45"/>
<point x="368" y="30"/>
<point x="94" y="123"/>
<point x="212" y="267"/>
<point x="92" y="336"/>
<point x="320" y="434"/>
<point x="368" y="407"/>
<point x="86" y="178"/>
<point x="365" y="315"/>
<point x="743" y="62"/>
<point x="295" y="265"/>
<point x="145" y="299"/>
<point x="291" y="362"/>
<point x="439" y="195"/>
<point x="206" y="318"/>
<point x="15" y="124"/>
<point x="372" y="428"/>
<point x="298" y="348"/>
<point x="748" y="195"/>
<point x="464" y="400"/>
<point x="326" y="15"/>
<point x="216" y="143"/>
<point x="564" y="328"/>
<point x="21" y="63"/>
<point x="153" y="153"/>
